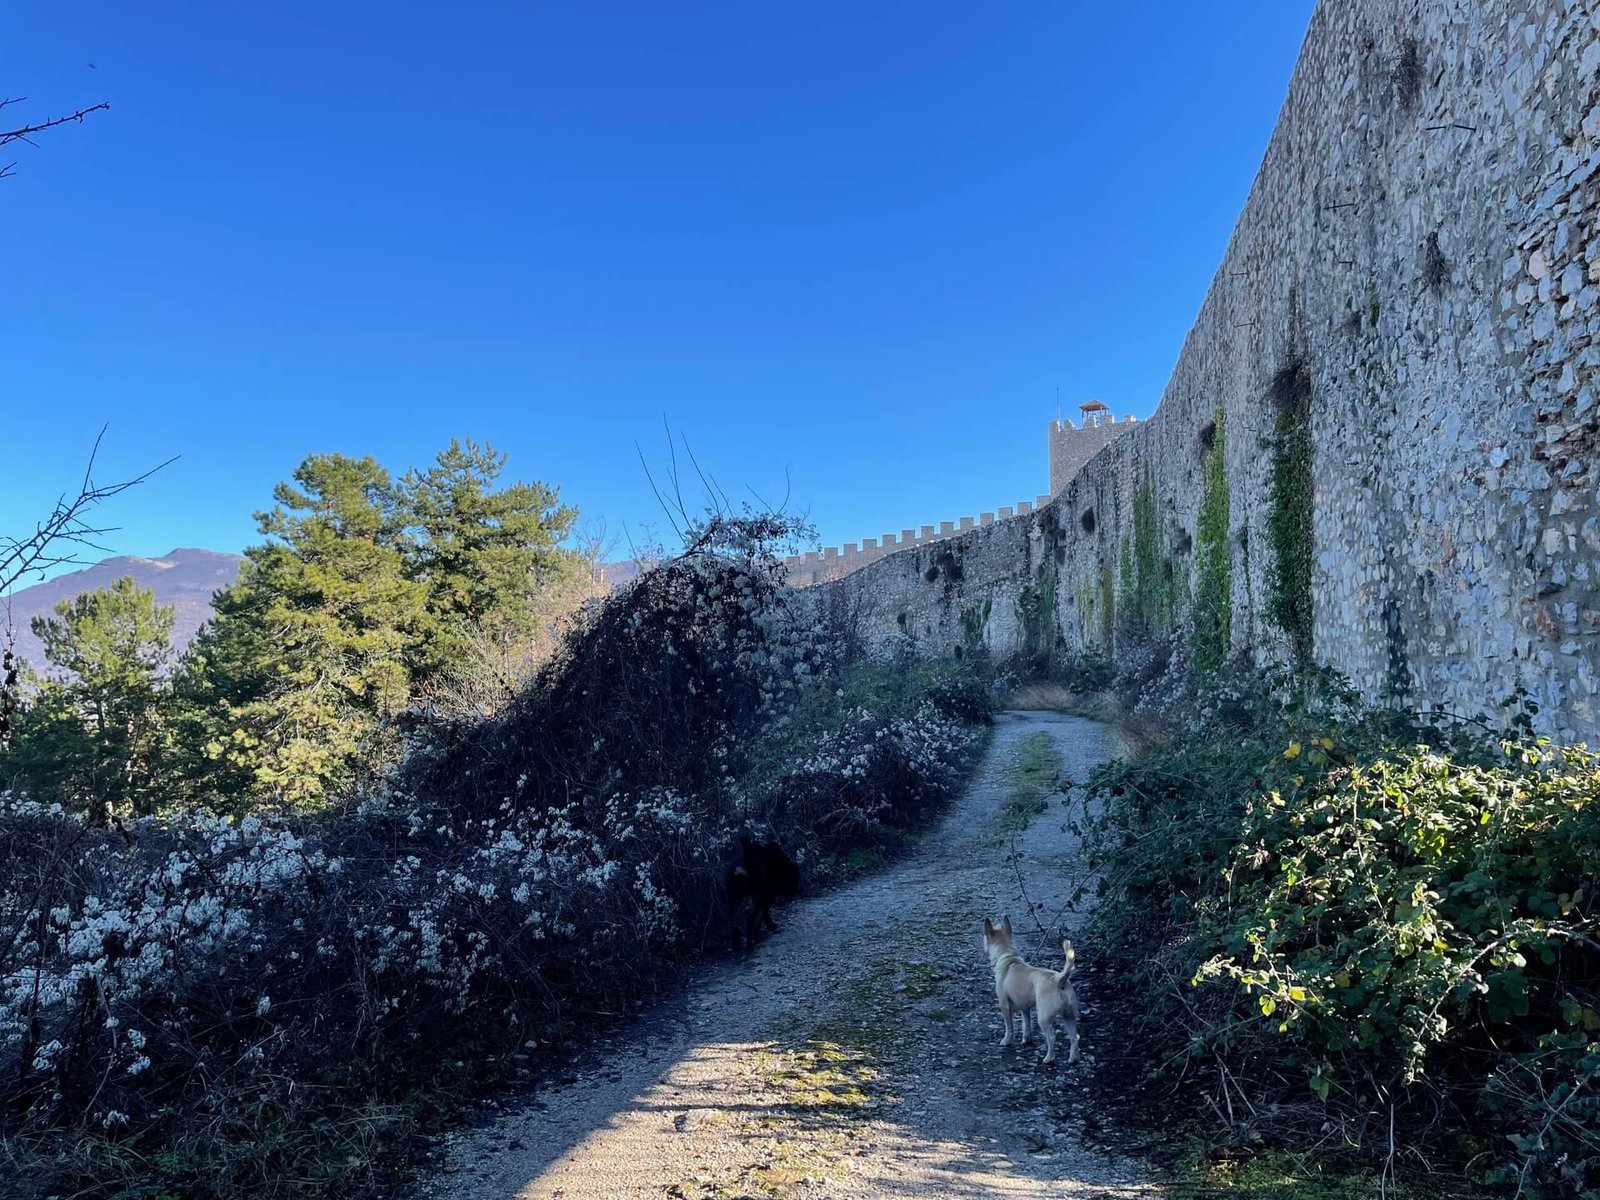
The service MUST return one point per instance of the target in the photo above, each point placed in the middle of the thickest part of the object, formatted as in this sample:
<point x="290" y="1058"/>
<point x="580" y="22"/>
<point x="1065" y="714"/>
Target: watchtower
<point x="1073" y="445"/>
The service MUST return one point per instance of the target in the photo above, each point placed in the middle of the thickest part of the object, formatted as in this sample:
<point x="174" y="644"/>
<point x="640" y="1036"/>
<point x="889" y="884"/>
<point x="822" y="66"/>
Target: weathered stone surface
<point x="1422" y="261"/>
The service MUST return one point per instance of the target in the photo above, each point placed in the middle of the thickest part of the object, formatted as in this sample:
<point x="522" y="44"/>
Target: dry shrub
<point x="205" y="1006"/>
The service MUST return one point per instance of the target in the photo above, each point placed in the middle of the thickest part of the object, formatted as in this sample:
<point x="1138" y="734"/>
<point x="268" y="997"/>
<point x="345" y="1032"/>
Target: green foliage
<point x="1035" y="773"/>
<point x="1148" y="601"/>
<point x="1376" y="914"/>
<point x="90" y="737"/>
<point x="318" y="987"/>
<point x="1415" y="907"/>
<point x="1277" y="1175"/>
<point x="485" y="556"/>
<point x="1036" y="613"/>
<point x="840" y="843"/>
<point x="1084" y="599"/>
<point x="974" y="619"/>
<point x="1108" y="600"/>
<point x="310" y="651"/>
<point x="365" y="593"/>
<point x="1128" y="619"/>
<point x="1212" y="636"/>
<point x="1289" y="511"/>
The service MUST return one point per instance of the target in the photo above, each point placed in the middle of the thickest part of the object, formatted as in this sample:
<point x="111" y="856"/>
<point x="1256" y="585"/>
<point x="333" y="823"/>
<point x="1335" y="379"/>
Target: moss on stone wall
<point x="1036" y="614"/>
<point x="1158" y="599"/>
<point x="1212" y="635"/>
<point x="1128" y="622"/>
<point x="973" y="620"/>
<point x="1289" y="510"/>
<point x="1108" y="593"/>
<point x="1147" y="601"/>
<point x="1083" y="601"/>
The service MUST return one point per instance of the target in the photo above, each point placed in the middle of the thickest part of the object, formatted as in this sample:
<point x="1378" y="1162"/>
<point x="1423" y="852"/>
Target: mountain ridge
<point x="186" y="577"/>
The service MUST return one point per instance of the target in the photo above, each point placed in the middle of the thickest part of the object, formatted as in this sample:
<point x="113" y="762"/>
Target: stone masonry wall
<point x="1421" y="249"/>
<point x="1071" y="446"/>
<point x="835" y="562"/>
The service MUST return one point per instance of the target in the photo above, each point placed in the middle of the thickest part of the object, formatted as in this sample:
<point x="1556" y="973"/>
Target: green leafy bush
<point x="1364" y="919"/>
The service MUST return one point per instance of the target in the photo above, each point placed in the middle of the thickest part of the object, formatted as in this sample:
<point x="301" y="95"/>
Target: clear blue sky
<point x="863" y="244"/>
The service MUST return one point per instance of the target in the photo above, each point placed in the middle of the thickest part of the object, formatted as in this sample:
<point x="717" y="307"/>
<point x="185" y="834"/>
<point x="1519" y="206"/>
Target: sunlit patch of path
<point x="853" y="1055"/>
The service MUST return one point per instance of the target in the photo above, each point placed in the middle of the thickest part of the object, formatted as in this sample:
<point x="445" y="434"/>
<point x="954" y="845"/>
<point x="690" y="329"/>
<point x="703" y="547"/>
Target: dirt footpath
<point x="855" y="1054"/>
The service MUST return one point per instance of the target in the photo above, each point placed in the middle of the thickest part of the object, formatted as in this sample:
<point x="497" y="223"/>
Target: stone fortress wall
<point x="1416" y="270"/>
<point x="835" y="562"/>
<point x="1070" y="446"/>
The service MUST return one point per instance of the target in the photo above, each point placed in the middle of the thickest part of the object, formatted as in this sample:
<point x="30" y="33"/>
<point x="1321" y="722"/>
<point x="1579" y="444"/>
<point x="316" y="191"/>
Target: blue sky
<point x="848" y="250"/>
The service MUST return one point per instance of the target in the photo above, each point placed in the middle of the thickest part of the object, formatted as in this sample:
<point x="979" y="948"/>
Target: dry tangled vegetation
<point x="207" y="1005"/>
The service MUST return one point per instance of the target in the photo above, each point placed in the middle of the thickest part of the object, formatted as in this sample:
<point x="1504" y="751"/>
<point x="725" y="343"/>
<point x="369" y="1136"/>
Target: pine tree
<point x="90" y="737"/>
<point x="489" y="557"/>
<point x="308" y="657"/>
<point x="363" y="592"/>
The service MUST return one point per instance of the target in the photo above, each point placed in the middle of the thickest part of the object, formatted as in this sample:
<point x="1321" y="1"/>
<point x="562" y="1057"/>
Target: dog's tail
<point x="1063" y="975"/>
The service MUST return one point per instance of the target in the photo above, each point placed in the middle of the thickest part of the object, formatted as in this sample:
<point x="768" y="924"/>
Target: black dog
<point x="763" y="874"/>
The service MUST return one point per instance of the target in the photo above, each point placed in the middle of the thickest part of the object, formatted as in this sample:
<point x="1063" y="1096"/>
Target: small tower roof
<point x="1093" y="406"/>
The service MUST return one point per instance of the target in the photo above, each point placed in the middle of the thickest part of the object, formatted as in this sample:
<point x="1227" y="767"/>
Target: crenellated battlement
<point x="1421" y="230"/>
<point x="835" y="562"/>
<point x="1071" y="446"/>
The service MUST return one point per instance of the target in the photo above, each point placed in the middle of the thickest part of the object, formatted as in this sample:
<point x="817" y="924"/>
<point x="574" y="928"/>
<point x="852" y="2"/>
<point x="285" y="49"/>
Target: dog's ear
<point x="1005" y="925"/>
<point x="988" y="927"/>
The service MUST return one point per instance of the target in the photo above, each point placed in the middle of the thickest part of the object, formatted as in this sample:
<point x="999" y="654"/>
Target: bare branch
<point x="719" y="498"/>
<point x="56" y="540"/>
<point x="660" y="499"/>
<point x="24" y="133"/>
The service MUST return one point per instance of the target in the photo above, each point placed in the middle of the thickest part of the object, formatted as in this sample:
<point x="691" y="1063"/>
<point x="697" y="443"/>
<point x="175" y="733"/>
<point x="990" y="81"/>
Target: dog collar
<point x="1009" y="959"/>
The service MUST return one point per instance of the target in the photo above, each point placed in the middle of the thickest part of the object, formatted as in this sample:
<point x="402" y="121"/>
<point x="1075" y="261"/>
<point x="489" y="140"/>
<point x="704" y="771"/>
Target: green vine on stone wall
<point x="1108" y="595"/>
<point x="1036" y="613"/>
<point x="973" y="620"/>
<point x="1128" y="622"/>
<point x="1083" y="601"/>
<point x="1213" y="590"/>
<point x="1289" y="510"/>
<point x="1148" y="579"/>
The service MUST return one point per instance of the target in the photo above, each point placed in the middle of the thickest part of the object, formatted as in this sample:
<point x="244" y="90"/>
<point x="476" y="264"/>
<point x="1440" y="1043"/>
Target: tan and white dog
<point x="1036" y="993"/>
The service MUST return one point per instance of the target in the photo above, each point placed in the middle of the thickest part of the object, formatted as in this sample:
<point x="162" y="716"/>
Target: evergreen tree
<point x="487" y="557"/>
<point x="365" y="590"/>
<point x="308" y="656"/>
<point x="90" y="737"/>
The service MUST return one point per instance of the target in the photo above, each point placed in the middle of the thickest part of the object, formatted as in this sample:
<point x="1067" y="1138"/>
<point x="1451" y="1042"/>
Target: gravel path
<point x="855" y="1054"/>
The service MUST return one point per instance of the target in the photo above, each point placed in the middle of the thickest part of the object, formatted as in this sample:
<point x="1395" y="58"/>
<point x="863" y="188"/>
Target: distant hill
<point x="185" y="579"/>
<point x="615" y="574"/>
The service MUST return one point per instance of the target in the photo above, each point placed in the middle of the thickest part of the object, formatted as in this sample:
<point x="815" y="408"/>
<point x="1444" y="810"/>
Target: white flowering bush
<point x="202" y="1005"/>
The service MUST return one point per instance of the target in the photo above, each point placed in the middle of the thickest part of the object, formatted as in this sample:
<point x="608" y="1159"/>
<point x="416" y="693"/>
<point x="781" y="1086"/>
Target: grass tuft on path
<point x="1035" y="774"/>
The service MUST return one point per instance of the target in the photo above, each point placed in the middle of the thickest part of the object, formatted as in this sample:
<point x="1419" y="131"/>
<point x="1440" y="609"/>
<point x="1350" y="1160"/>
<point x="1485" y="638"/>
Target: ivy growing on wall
<point x="973" y="620"/>
<point x="1036" y="613"/>
<point x="1128" y="622"/>
<point x="1148" y="600"/>
<point x="1289" y="510"/>
<point x="1213" y="589"/>
<point x="1083" y="601"/>
<point x="1108" y="594"/>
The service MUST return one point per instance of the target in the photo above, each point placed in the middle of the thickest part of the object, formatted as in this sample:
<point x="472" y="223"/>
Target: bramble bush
<point x="1364" y="931"/>
<point x="204" y="1005"/>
